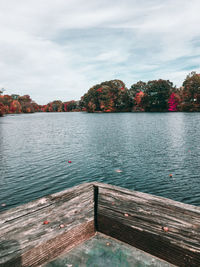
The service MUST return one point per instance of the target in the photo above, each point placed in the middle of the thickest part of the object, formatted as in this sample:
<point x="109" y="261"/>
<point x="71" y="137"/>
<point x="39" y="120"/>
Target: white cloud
<point x="59" y="49"/>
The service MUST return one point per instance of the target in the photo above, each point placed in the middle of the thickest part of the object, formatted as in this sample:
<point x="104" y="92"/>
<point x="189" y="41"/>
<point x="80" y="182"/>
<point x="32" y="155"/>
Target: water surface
<point x="133" y="150"/>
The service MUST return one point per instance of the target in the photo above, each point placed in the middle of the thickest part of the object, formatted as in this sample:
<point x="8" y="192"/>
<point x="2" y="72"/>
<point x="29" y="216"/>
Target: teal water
<point x="145" y="147"/>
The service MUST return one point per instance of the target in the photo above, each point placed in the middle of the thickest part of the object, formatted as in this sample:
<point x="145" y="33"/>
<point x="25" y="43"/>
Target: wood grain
<point x="23" y="233"/>
<point x="139" y="219"/>
<point x="162" y="227"/>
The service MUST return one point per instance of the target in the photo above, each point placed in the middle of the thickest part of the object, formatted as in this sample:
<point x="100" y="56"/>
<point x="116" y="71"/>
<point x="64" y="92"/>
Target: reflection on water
<point x="145" y="147"/>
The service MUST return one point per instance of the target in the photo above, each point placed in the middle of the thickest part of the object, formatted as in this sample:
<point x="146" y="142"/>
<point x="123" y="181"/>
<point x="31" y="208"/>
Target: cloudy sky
<point x="58" y="49"/>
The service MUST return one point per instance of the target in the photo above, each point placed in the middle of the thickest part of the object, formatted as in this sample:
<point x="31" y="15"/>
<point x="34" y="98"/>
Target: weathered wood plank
<point x="139" y="218"/>
<point x="44" y="202"/>
<point x="22" y="232"/>
<point x="162" y="227"/>
<point x="60" y="244"/>
<point x="48" y="250"/>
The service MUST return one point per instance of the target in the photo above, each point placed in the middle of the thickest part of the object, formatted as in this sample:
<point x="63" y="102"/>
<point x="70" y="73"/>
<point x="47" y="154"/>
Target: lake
<point x="137" y="151"/>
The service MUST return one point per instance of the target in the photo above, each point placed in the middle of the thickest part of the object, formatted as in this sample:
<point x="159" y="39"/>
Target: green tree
<point x="191" y="92"/>
<point x="56" y="105"/>
<point x="137" y="88"/>
<point x="156" y="95"/>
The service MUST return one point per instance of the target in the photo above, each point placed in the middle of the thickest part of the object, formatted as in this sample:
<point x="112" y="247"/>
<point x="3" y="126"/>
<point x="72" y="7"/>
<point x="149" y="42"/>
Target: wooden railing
<point x="39" y="231"/>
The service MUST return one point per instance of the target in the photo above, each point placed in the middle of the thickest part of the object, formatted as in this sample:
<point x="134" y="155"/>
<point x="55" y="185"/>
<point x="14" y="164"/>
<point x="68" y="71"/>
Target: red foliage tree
<point x="15" y="107"/>
<point x="173" y="102"/>
<point x="2" y="109"/>
<point x="137" y="101"/>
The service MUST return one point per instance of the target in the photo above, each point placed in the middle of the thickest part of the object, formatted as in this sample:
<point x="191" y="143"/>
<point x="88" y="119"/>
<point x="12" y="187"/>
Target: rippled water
<point x="146" y="147"/>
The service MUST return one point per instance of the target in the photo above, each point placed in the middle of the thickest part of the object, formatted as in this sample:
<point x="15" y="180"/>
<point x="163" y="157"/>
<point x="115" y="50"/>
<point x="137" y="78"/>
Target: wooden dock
<point x="36" y="232"/>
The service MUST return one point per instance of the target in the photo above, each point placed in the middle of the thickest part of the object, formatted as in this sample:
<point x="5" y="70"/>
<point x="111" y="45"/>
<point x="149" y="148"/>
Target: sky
<point x="57" y="50"/>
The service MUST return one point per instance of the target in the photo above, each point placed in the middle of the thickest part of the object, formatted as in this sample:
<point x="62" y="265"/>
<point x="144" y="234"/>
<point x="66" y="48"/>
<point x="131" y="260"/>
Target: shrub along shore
<point x="113" y="96"/>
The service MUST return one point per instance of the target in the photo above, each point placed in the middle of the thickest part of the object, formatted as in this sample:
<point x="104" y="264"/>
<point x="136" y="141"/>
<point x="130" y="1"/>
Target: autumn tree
<point x="173" y="102"/>
<point x="26" y="103"/>
<point x="15" y="107"/>
<point x="136" y="93"/>
<point x="16" y="104"/>
<point x="110" y="96"/>
<point x="6" y="100"/>
<point x="137" y="88"/>
<point x="56" y="106"/>
<point x="191" y="92"/>
<point x="70" y="106"/>
<point x="2" y="109"/>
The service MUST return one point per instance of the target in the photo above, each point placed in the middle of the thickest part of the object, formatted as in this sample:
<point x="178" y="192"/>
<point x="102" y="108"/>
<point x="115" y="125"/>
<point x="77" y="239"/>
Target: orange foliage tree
<point x="137" y="101"/>
<point x="110" y="96"/>
<point x="15" y="107"/>
<point x="26" y="104"/>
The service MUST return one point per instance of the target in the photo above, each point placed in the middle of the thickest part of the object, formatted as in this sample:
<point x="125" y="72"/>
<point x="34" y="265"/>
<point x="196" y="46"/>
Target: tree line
<point x="113" y="96"/>
<point x="15" y="104"/>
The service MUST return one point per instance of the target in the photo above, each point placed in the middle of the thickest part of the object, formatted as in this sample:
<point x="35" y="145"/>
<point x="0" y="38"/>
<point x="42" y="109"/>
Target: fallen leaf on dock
<point x="165" y="229"/>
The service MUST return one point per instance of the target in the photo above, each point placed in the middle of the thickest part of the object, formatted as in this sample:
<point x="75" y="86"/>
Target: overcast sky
<point x="58" y="49"/>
